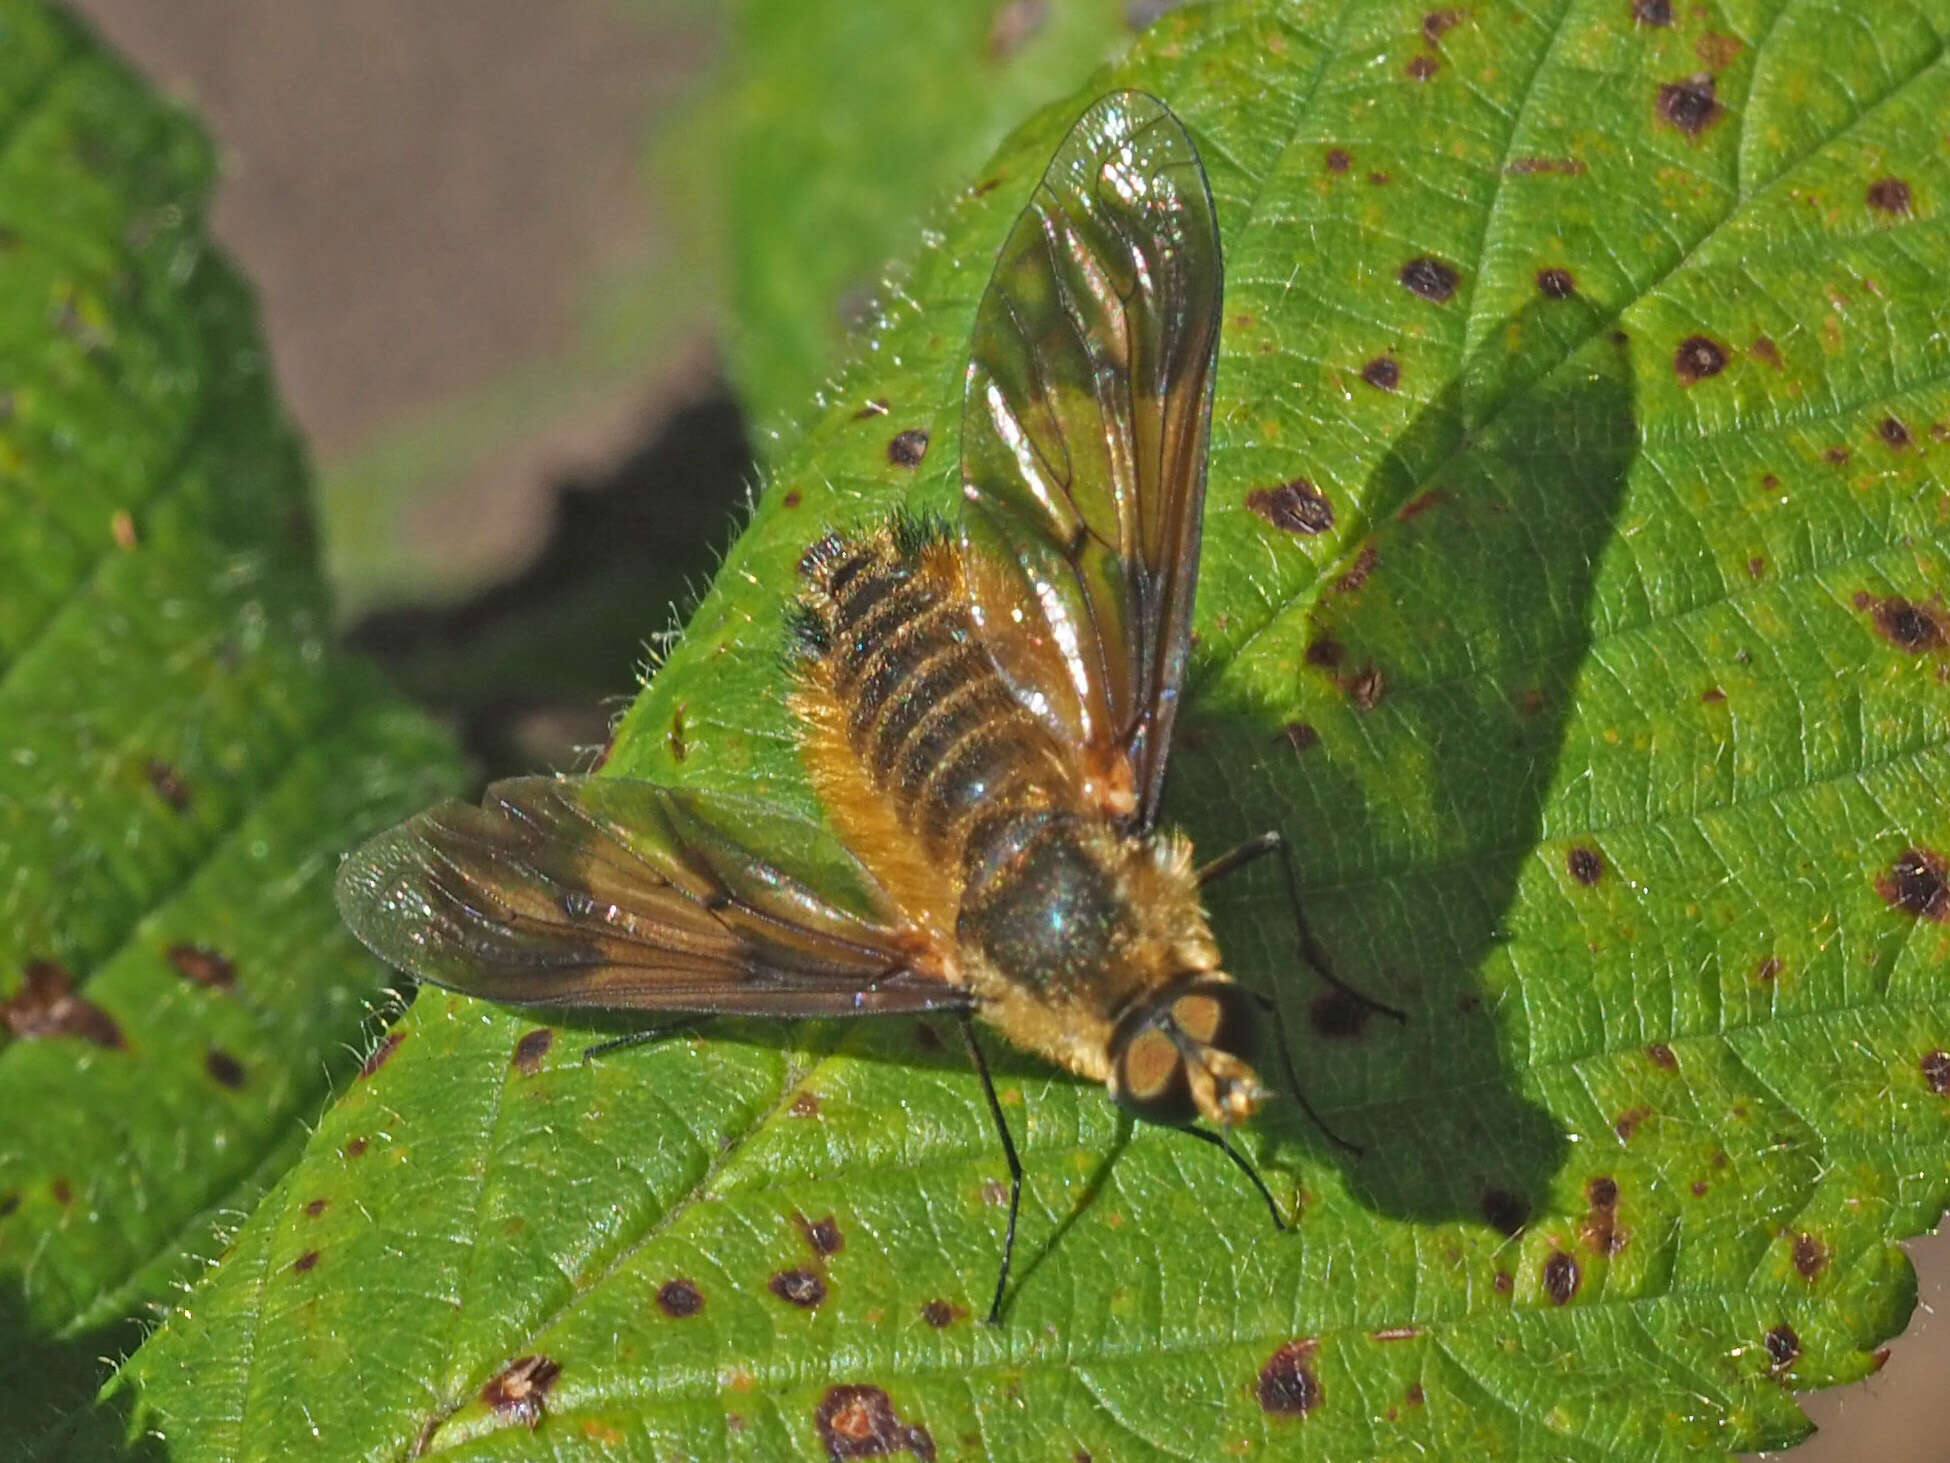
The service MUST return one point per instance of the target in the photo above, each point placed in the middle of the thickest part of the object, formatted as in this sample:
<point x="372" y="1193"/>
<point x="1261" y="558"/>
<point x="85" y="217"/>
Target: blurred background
<point x="502" y="250"/>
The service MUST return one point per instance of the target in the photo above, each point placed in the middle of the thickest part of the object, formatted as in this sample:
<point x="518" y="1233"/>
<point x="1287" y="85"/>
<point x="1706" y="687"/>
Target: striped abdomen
<point x="932" y="723"/>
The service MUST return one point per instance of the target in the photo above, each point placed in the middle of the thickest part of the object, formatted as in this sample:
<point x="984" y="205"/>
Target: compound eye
<point x="1221" y="1015"/>
<point x="1151" y="1080"/>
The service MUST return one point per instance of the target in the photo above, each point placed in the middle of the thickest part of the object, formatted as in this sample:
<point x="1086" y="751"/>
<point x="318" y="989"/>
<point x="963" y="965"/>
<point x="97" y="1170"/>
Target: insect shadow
<point x="1410" y="760"/>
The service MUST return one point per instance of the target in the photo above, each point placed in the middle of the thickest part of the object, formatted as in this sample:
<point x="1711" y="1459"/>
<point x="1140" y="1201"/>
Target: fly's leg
<point x="1008" y="1152"/>
<point x="1223" y="1144"/>
<point x="642" y="1038"/>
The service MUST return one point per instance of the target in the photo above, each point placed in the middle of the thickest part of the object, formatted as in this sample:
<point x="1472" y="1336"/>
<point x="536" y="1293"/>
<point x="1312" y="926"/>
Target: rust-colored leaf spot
<point x="1430" y="278"/>
<point x="822" y="1234"/>
<point x="1421" y="503"/>
<point x="1600" y="1231"/>
<point x="1365" y="687"/>
<point x="941" y="1313"/>
<point x="224" y="1069"/>
<point x="357" y="1147"/>
<point x="908" y="448"/>
<point x="1768" y="969"/>
<point x="799" y="1287"/>
<point x="1586" y="865"/>
<point x="1287" y="1384"/>
<point x="1438" y="23"/>
<point x="792" y="498"/>
<point x="1628" y="1122"/>
<point x="1421" y="67"/>
<point x="305" y="1262"/>
<point x="1889" y="196"/>
<point x="1338" y="160"/>
<point x="678" y="737"/>
<point x="121" y="528"/>
<point x="1691" y="104"/>
<point x="1935" y="1067"/>
<point x="1756" y="567"/>
<point x="382" y="1054"/>
<point x="1893" y="433"/>
<point x="168" y="783"/>
<point x="1556" y="284"/>
<point x="679" y="1299"/>
<point x="316" y="1207"/>
<point x="1783" y="1346"/>
<point x="1293" y="507"/>
<point x="1660" y="1055"/>
<point x="1377" y="180"/>
<point x="530" y="1050"/>
<point x="519" y="1391"/>
<point x="1918" y="883"/>
<point x="1835" y="456"/>
<point x="1561" y="1277"/>
<point x="1905" y="624"/>
<point x="203" y="966"/>
<point x="1764" y="350"/>
<point x="1716" y="49"/>
<point x="875" y="408"/>
<point x="1338" y="1015"/>
<point x="63" y="1192"/>
<point x="805" y="1105"/>
<point x="1712" y="696"/>
<point x="47" y="1005"/>
<point x="1810" y="1256"/>
<point x="1300" y="735"/>
<point x="1654" y="13"/>
<point x="1698" y="357"/>
<point x="1505" y="1212"/>
<point x="1383" y="373"/>
<point x="1358" y="572"/>
<point x="1528" y="167"/>
<point x="1414" y="1396"/>
<point x="1503" y="1282"/>
<point x="1699" y="1188"/>
<point x="1326" y="652"/>
<point x="860" y="1422"/>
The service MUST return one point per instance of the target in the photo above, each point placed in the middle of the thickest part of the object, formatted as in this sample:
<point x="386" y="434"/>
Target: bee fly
<point x="984" y="713"/>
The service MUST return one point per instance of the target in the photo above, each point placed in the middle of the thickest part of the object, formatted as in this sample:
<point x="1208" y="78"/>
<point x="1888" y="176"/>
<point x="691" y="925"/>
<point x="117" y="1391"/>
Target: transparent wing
<point x="1084" y="426"/>
<point x="603" y="892"/>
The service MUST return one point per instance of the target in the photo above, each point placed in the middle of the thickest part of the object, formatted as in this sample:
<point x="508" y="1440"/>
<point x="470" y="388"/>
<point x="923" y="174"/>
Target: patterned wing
<point x="1084" y="426"/>
<point x="603" y="892"/>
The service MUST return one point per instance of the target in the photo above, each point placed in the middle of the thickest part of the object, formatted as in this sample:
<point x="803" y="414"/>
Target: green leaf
<point x="1608" y="715"/>
<point x="851" y="120"/>
<point x="185" y="758"/>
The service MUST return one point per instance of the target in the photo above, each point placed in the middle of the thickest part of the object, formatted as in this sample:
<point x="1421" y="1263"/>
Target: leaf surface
<point x="1608" y="713"/>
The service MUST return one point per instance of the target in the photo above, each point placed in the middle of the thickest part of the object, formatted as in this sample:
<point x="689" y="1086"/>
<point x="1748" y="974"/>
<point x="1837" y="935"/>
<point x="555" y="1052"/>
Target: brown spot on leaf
<point x="224" y="1069"/>
<point x="1768" y="969"/>
<point x="1561" y="1277"/>
<point x="1014" y="25"/>
<point x="305" y="1262"/>
<point x="1421" y="503"/>
<point x="1600" y="1230"/>
<point x="1524" y="167"/>
<point x="519" y="1391"/>
<point x="1660" y="1055"/>
<point x="1586" y="865"/>
<point x="1756" y="567"/>
<point x="530" y="1050"/>
<point x="1716" y="49"/>
<point x="1287" y="1384"/>
<point x="1421" y="68"/>
<point x="1698" y="357"/>
<point x="805" y="1105"/>
<point x="1430" y="278"/>
<point x="63" y="1192"/>
<point x="1712" y="695"/>
<point x="1692" y="104"/>
<point x="205" y="967"/>
<point x="1377" y="180"/>
<point x="1365" y="687"/>
<point x="1904" y="624"/>
<point x="860" y="1422"/>
<point x="1336" y="1014"/>
<point x="1438" y="23"/>
<point x="357" y="1147"/>
<point x="908" y="448"/>
<point x="1699" y="1188"/>
<point x="1810" y="1256"/>
<point x="677" y="738"/>
<point x="1358" y="572"/>
<point x="1338" y="160"/>
<point x="1326" y="652"/>
<point x="939" y="1313"/>
<point x="47" y="1005"/>
<point x="1294" y="507"/>
<point x="168" y="783"/>
<point x="1300" y="735"/>
<point x="1628" y="1122"/>
<point x="1505" y="1212"/>
<point x="382" y="1054"/>
<point x="1889" y="196"/>
<point x="1783" y="1346"/>
<point x="679" y="1299"/>
<point x="1894" y="433"/>
<point x="121" y="528"/>
<point x="822" y="1234"/>
<point x="1503" y="1282"/>
<point x="1383" y="373"/>
<point x="1834" y="455"/>
<point x="1556" y="284"/>
<point x="9" y="1202"/>
<point x="316" y="1207"/>
<point x="1935" y="1067"/>
<point x="1918" y="883"/>
<point x="1655" y="13"/>
<point x="1763" y="349"/>
<point x="791" y="498"/>
<point x="799" y="1287"/>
